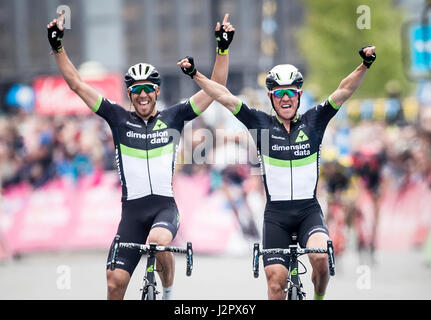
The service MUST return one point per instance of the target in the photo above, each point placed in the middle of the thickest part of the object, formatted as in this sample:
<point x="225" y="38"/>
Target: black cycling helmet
<point x="141" y="72"/>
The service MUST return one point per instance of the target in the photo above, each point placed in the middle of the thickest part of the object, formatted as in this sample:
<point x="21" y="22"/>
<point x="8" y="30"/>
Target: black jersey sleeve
<point x="181" y="112"/>
<point x="252" y="118"/>
<point x="319" y="116"/>
<point x="185" y="111"/>
<point x="109" y="110"/>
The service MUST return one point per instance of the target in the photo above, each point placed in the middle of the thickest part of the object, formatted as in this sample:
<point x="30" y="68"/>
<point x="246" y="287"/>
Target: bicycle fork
<point x="294" y="285"/>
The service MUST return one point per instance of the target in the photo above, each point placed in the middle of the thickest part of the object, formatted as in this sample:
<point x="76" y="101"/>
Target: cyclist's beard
<point x="294" y="115"/>
<point x="148" y="111"/>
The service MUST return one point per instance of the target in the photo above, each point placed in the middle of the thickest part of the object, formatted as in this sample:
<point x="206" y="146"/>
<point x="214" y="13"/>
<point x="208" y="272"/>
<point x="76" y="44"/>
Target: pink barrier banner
<point x="98" y="214"/>
<point x="62" y="215"/>
<point x="205" y="220"/>
<point x="53" y="96"/>
<point x="38" y="219"/>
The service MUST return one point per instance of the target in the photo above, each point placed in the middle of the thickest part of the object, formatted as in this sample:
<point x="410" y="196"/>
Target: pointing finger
<point x="226" y="17"/>
<point x="60" y="21"/>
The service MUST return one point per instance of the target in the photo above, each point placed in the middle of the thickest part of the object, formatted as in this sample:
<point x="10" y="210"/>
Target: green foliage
<point x="330" y="40"/>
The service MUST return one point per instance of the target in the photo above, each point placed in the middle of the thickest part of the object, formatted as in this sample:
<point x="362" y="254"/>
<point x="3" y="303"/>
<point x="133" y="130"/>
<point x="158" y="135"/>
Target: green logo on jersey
<point x="301" y="137"/>
<point x="159" y="125"/>
<point x="150" y="268"/>
<point x="294" y="272"/>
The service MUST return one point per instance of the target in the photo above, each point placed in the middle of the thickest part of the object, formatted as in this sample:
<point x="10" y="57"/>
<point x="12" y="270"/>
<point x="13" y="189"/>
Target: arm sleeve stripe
<point x="332" y="103"/>
<point x="238" y="107"/>
<point x="194" y="107"/>
<point x="98" y="103"/>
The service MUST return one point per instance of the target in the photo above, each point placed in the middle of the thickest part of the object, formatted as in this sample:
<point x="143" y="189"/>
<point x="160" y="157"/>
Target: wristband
<point x="58" y="50"/>
<point x="224" y="38"/>
<point x="222" y="52"/>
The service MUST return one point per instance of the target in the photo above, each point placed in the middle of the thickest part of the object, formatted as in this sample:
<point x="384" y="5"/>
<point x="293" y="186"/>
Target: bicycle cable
<point x="158" y="262"/>
<point x="305" y="269"/>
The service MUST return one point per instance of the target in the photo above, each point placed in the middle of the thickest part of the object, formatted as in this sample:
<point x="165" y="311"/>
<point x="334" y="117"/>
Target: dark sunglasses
<point x="148" y="88"/>
<point x="279" y="93"/>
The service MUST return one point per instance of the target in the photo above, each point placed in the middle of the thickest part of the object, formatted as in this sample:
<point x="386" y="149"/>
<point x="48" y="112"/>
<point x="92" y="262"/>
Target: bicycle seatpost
<point x="294" y="238"/>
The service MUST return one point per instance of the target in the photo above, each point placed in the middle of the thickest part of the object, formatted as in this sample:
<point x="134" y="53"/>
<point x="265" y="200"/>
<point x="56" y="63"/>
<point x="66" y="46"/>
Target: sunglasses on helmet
<point x="279" y="93"/>
<point x="148" y="88"/>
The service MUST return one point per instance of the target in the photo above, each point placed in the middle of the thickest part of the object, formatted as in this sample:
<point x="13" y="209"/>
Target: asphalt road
<point x="81" y="275"/>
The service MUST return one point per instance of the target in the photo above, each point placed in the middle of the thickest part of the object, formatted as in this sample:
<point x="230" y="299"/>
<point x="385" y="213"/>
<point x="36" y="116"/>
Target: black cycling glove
<point x="368" y="61"/>
<point x="190" y="71"/>
<point x="55" y="35"/>
<point x="224" y="38"/>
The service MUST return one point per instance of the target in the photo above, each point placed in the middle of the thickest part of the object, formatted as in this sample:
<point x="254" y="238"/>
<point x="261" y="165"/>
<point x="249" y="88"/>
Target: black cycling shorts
<point x="282" y="218"/>
<point x="138" y="217"/>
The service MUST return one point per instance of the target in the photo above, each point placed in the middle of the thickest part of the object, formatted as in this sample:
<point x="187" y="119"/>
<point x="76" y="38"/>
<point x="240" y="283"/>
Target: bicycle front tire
<point x="150" y="294"/>
<point x="295" y="295"/>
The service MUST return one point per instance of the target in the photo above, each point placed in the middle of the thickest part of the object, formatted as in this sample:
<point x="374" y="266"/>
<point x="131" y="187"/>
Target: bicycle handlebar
<point x="152" y="247"/>
<point x="298" y="252"/>
<point x="147" y="248"/>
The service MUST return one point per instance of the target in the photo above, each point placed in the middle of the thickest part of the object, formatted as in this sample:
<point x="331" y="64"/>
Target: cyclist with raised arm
<point x="288" y="147"/>
<point x="146" y="142"/>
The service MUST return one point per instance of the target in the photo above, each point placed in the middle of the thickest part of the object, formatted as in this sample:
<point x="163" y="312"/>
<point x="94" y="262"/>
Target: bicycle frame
<point x="149" y="288"/>
<point x="294" y="285"/>
<point x="293" y="281"/>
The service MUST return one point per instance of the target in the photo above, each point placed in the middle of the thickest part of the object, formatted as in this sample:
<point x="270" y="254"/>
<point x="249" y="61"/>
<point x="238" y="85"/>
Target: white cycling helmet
<point x="284" y="75"/>
<point x="141" y="72"/>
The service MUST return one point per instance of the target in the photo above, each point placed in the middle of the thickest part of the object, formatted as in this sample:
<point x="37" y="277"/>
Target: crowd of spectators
<point x="36" y="149"/>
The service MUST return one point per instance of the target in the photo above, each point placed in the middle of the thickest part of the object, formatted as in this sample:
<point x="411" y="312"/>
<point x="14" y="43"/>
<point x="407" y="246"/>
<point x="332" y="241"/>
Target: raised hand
<point x="224" y="35"/>
<point x="56" y="33"/>
<point x="368" y="53"/>
<point x="187" y="65"/>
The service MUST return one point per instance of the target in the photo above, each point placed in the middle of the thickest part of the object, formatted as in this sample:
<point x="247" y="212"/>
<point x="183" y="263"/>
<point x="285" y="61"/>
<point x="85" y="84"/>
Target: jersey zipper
<point x="291" y="169"/>
<point x="148" y="160"/>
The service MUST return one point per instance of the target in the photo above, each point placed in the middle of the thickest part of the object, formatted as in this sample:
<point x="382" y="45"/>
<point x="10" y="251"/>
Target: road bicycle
<point x="294" y="285"/>
<point x="149" y="287"/>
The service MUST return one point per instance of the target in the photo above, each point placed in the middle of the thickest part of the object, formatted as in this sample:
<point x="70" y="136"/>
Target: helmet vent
<point x="141" y="72"/>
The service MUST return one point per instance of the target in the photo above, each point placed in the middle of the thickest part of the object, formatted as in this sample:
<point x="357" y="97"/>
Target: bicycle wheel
<point x="295" y="295"/>
<point x="150" y="294"/>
